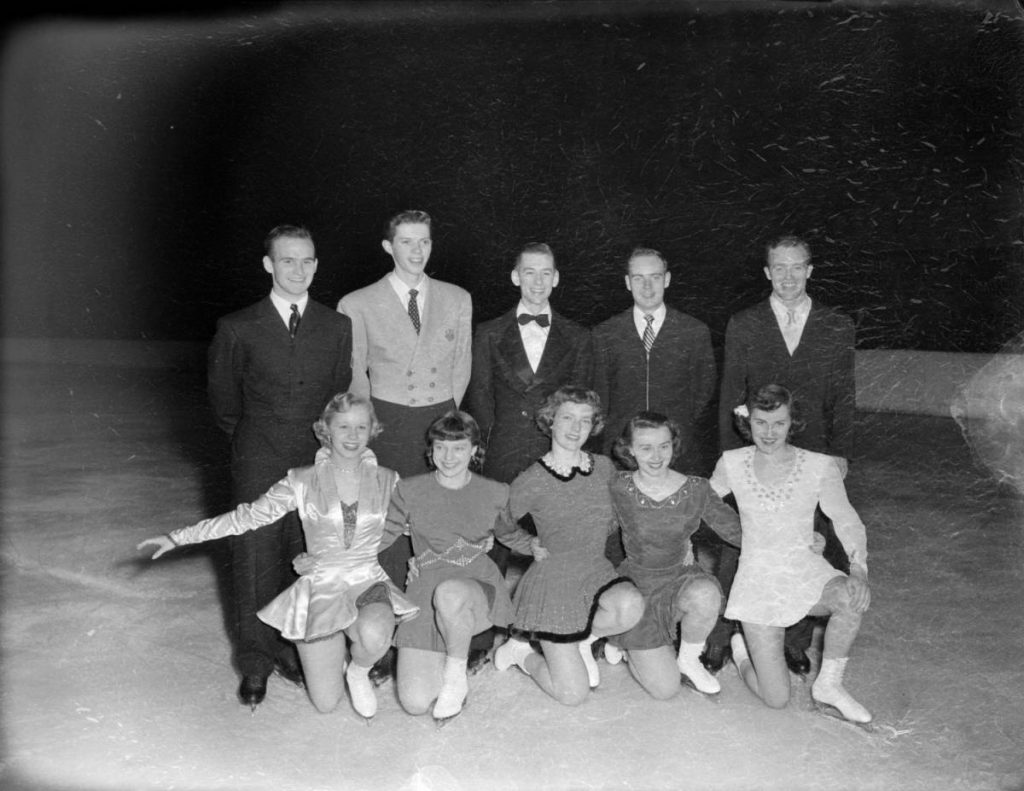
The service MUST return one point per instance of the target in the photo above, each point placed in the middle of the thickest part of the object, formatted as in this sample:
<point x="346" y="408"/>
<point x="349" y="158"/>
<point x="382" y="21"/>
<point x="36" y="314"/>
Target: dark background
<point x="144" y="158"/>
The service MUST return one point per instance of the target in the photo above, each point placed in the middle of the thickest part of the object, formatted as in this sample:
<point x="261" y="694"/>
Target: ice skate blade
<point x="714" y="697"/>
<point x="830" y="711"/>
<point x="440" y="722"/>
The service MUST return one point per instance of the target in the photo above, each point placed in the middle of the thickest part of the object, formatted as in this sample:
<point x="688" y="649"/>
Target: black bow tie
<point x="541" y="319"/>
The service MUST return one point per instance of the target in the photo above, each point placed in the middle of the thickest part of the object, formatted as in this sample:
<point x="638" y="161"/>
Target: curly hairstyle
<point x="343" y="402"/>
<point x="569" y="394"/>
<point x="453" y="426"/>
<point x="768" y="398"/>
<point x="621" y="448"/>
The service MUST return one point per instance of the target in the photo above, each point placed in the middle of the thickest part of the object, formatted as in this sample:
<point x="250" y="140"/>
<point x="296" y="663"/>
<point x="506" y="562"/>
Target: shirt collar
<point x="403" y="290"/>
<point x="802" y="308"/>
<point x="284" y="307"/>
<point x="658" y="313"/>
<point x="521" y="309"/>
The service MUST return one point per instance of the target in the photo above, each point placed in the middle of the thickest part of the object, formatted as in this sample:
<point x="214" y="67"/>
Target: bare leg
<point x="842" y="628"/>
<point x="323" y="665"/>
<point x="461" y="610"/>
<point x="765" y="672"/>
<point x="843" y="622"/>
<point x="656" y="671"/>
<point x="371" y="636"/>
<point x="560" y="672"/>
<point x="697" y="604"/>
<point x="419" y="678"/>
<point x="619" y="609"/>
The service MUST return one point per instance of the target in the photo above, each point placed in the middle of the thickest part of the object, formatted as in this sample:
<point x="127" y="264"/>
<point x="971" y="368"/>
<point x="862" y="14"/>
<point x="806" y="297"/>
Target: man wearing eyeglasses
<point x="654" y="357"/>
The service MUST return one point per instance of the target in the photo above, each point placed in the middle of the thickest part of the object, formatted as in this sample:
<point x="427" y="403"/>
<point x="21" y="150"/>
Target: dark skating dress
<point x="556" y="597"/>
<point x="656" y="536"/>
<point x="450" y="529"/>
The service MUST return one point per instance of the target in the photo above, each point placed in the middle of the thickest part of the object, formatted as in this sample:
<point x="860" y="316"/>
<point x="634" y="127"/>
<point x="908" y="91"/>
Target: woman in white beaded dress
<point x="342" y="501"/>
<point x="781" y="578"/>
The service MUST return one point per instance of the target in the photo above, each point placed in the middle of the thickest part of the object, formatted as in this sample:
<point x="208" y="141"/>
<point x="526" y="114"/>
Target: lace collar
<point x="576" y="469"/>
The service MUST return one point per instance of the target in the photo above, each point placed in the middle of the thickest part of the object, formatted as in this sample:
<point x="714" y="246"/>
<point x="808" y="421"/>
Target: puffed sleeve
<point x="267" y="509"/>
<point x="834" y="503"/>
<point x="720" y="479"/>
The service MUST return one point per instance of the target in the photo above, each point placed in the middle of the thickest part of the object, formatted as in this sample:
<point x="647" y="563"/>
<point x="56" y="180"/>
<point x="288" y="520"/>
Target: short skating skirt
<point x="326" y="601"/>
<point x="659" y="625"/>
<point x="555" y="598"/>
<point x="422" y="632"/>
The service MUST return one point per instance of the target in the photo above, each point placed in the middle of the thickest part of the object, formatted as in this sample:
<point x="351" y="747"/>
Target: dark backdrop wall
<point x="144" y="159"/>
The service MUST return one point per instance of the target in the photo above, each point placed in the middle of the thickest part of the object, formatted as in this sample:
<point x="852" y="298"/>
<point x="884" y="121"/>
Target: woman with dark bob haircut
<point x="453" y="515"/>
<point x="570" y="595"/>
<point x="342" y="591"/>
<point x="781" y="578"/>
<point x="659" y="510"/>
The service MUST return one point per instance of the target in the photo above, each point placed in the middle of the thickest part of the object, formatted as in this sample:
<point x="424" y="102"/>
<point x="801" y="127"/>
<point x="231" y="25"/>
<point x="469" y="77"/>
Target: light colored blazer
<point x="393" y="363"/>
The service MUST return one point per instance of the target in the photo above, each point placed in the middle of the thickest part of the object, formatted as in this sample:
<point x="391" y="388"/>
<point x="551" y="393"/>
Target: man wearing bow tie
<point x="519" y="359"/>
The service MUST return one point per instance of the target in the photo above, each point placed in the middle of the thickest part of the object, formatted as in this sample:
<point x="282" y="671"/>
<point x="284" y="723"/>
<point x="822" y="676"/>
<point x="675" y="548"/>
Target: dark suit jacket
<point x="266" y="388"/>
<point x="504" y="392"/>
<point x="819" y="374"/>
<point x="677" y="380"/>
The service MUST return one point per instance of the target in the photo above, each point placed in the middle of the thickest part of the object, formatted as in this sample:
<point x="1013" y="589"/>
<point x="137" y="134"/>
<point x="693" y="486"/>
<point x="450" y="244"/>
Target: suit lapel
<point x="270" y="321"/>
<point x="512" y="351"/>
<point x="555" y="349"/>
<point x="770" y="329"/>
<point x="395" y="316"/>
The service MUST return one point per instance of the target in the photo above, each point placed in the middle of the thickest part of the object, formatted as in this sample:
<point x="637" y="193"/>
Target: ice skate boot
<point x="512" y="652"/>
<point x="688" y="662"/>
<point x="828" y="690"/>
<point x="360" y="689"/>
<point x="454" y="689"/>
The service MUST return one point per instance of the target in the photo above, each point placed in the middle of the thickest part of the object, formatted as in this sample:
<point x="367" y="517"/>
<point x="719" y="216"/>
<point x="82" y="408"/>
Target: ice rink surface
<point x="117" y="672"/>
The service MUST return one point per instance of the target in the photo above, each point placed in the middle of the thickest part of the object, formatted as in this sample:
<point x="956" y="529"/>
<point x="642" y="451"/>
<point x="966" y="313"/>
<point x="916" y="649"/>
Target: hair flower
<point x="742" y="411"/>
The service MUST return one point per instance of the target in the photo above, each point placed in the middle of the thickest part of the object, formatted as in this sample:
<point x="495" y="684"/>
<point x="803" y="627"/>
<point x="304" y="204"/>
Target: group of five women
<point x="655" y="609"/>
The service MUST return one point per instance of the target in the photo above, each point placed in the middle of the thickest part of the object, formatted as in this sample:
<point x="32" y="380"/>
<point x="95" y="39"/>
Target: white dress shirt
<point x="284" y="307"/>
<point x="640" y="321"/>
<point x="791" y="326"/>
<point x="534" y="336"/>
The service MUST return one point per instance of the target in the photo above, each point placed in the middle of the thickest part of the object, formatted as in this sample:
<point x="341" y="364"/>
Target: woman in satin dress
<point x="342" y="500"/>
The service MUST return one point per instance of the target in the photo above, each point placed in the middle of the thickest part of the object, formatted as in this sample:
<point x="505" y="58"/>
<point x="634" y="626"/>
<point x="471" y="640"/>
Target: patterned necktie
<point x="649" y="333"/>
<point x="293" y="320"/>
<point x="414" y="309"/>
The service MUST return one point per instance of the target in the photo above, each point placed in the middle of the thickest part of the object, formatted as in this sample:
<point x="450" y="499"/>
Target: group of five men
<point x="406" y="342"/>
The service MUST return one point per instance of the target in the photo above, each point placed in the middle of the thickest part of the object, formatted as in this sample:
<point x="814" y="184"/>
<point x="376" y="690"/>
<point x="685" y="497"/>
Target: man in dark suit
<point x="272" y="368"/>
<point x="519" y="359"/>
<point x="794" y="341"/>
<point x="653" y="357"/>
